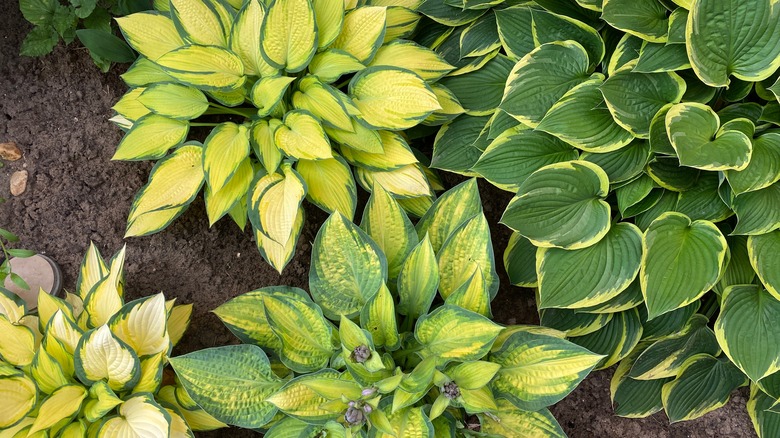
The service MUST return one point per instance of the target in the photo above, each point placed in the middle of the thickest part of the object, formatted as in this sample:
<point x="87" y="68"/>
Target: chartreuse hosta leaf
<point x="274" y="204"/>
<point x="210" y="68"/>
<point x="719" y="46"/>
<point x="562" y="205"/>
<point x="511" y="421"/>
<point x="592" y="275"/>
<point x="746" y="313"/>
<point x="232" y="383"/>
<point x="682" y="260"/>
<point x="243" y="39"/>
<point x="151" y="34"/>
<point x="538" y="370"/>
<point x="105" y="299"/>
<point x="140" y="415"/>
<point x="151" y="137"/>
<point x="329" y="184"/>
<point x="467" y="251"/>
<point x="763" y="251"/>
<point x="288" y="36"/>
<point x="20" y="397"/>
<point x="102" y="355"/>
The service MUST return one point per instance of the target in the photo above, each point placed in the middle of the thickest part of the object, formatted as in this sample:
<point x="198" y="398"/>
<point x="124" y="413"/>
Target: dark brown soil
<point x="56" y="109"/>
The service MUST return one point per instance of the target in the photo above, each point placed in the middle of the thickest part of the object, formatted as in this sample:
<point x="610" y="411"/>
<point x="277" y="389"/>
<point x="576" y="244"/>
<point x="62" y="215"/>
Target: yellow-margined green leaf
<point x="511" y="421"/>
<point x="539" y="370"/>
<point x="633" y="398"/>
<point x="174" y="100"/>
<point x="288" y="37"/>
<point x="199" y="21"/>
<point x="173" y="183"/>
<point x="226" y="147"/>
<point x="467" y="250"/>
<point x="150" y="138"/>
<point x="93" y="268"/>
<point x="763" y="251"/>
<point x="277" y="254"/>
<point x="452" y="333"/>
<point x="615" y="340"/>
<point x="139" y="416"/>
<point x="387" y="224"/>
<point x="391" y="98"/>
<point x="362" y="32"/>
<point x="61" y="404"/>
<point x="273" y="204"/>
<point x="129" y="106"/>
<point x="449" y="212"/>
<point x="418" y="280"/>
<point x="411" y="56"/>
<point x="480" y="37"/>
<point x="480" y="91"/>
<point x="378" y="317"/>
<point x="347" y="268"/>
<point x="646" y="19"/>
<point x="323" y="102"/>
<point x="301" y="136"/>
<point x="141" y="324"/>
<point x="330" y="184"/>
<point x="304" y="333"/>
<point x="101" y="401"/>
<point x="747" y="312"/>
<point x="657" y="57"/>
<point x="329" y="15"/>
<point x="19" y="398"/>
<point x="232" y="383"/>
<point x="101" y="355"/>
<point x="573" y="323"/>
<point x="589" y="276"/>
<point x="405" y="182"/>
<point x="47" y="372"/>
<point x="562" y="205"/>
<point x="703" y="384"/>
<point x="627" y="50"/>
<point x="766" y="422"/>
<point x="757" y="212"/>
<point x="702" y="142"/>
<point x="719" y="45"/>
<point x="300" y="401"/>
<point x="681" y="261"/>
<point x="231" y="194"/>
<point x="268" y="91"/>
<point x="151" y="34"/>
<point x="209" y="68"/>
<point x="262" y="141"/>
<point x="520" y="261"/>
<point x="17" y="345"/>
<point x="332" y="63"/>
<point x="763" y="169"/>
<point x="144" y="72"/>
<point x="244" y="40"/>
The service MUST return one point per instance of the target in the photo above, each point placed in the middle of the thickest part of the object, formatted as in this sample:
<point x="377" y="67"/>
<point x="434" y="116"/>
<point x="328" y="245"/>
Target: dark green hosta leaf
<point x="766" y="422"/>
<point x="702" y="201"/>
<point x="573" y="323"/>
<point x="548" y="27"/>
<point x="452" y="333"/>
<point x="763" y="169"/>
<point x="764" y="254"/>
<point x="700" y="141"/>
<point x="623" y="164"/>
<point x="480" y="37"/>
<point x="646" y="19"/>
<point x="514" y="155"/>
<point x="626" y="50"/>
<point x="441" y="12"/>
<point x="634" y="98"/>
<point x="739" y="269"/>
<point x="520" y="261"/>
<point x="615" y="340"/>
<point x="666" y="203"/>
<point x="667" y="173"/>
<point x="539" y="370"/>
<point x="696" y="90"/>
<point x="633" y="398"/>
<point x="581" y="119"/>
<point x="745" y="110"/>
<point x="541" y="78"/>
<point x="631" y="195"/>
<point x="720" y="44"/>
<point x="457" y="146"/>
<point x="592" y="275"/>
<point x="347" y="268"/>
<point x="656" y="58"/>
<point x="40" y="41"/>
<point x="665" y="357"/>
<point x="231" y="383"/>
<point x="669" y="323"/>
<point x="677" y="22"/>
<point x="659" y="138"/>
<point x="758" y="212"/>
<point x="630" y="298"/>
<point x="515" y="30"/>
<point x="682" y="261"/>
<point x="480" y="91"/>
<point x="747" y="330"/>
<point x="703" y="385"/>
<point x="562" y="205"/>
<point x="105" y="45"/>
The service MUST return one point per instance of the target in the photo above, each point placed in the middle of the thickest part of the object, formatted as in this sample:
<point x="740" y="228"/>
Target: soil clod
<point x="9" y="151"/>
<point x="18" y="182"/>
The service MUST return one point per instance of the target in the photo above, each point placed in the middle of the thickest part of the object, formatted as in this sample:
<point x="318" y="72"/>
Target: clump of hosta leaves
<point x="298" y="94"/>
<point x="642" y="140"/>
<point x="89" y="20"/>
<point x="90" y="365"/>
<point x="395" y="339"/>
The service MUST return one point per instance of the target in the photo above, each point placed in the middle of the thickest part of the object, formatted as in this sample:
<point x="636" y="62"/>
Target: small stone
<point x="18" y="182"/>
<point x="10" y="151"/>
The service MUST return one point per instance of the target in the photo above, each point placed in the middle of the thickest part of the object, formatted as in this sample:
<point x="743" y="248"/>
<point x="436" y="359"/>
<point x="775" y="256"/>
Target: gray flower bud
<point x="451" y="390"/>
<point x="354" y="416"/>
<point x="361" y="353"/>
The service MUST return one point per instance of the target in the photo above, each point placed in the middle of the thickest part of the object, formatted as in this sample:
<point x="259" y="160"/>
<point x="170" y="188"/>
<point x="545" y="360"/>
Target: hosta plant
<point x="88" y="20"/>
<point x="642" y="141"/>
<point x="395" y="339"/>
<point x="90" y="365"/>
<point x="296" y="93"/>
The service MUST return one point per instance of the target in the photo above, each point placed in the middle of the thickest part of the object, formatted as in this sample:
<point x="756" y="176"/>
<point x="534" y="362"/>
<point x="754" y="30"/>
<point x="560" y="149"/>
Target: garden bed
<point x="57" y="108"/>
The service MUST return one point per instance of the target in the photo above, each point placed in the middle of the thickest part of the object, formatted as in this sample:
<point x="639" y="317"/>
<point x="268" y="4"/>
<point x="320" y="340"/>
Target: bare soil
<point x="57" y="108"/>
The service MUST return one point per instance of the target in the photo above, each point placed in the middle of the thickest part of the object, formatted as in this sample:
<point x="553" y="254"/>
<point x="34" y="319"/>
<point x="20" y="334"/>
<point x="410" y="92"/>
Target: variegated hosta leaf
<point x="757" y="212"/>
<point x="703" y="384"/>
<point x="298" y="400"/>
<point x="48" y="373"/>
<point x="520" y="261"/>
<point x="378" y="316"/>
<point x="274" y="201"/>
<point x="209" y="68"/>
<point x="391" y="98"/>
<point x="409" y="422"/>
<point x="453" y="333"/>
<point x="418" y="280"/>
<point x="362" y="32"/>
<point x="347" y="268"/>
<point x="173" y="183"/>
<point x="288" y="37"/>
<point x="406" y="54"/>
<point x="765" y="422"/>
<point x="616" y="339"/>
<point x="329" y="65"/>
<point x="174" y="100"/>
<point x="244" y="41"/>
<point x="101" y="355"/>
<point x="589" y="276"/>
<point x="197" y="419"/>
<point x="275" y="253"/>
<point x="264" y="146"/>
<point x="62" y="404"/>
<point x="329" y="15"/>
<point x="511" y="421"/>
<point x="719" y="46"/>
<point x="633" y="398"/>
<point x="200" y="22"/>
<point x="763" y="169"/>
<point x="226" y="147"/>
<point x="231" y="383"/>
<point x="139" y="417"/>
<point x="101" y="401"/>
<point x="150" y="33"/>
<point x="562" y="205"/>
<point x="539" y="370"/>
<point x="681" y="261"/>
<point x="19" y="396"/>
<point x="268" y="91"/>
<point x="646" y="19"/>
<point x="763" y="251"/>
<point x="302" y="136"/>
<point x="747" y="312"/>
<point x="289" y="427"/>
<point x="48" y="305"/>
<point x="12" y="306"/>
<point x="93" y="268"/>
<point x="466" y="251"/>
<point x="142" y="325"/>
<point x="105" y="299"/>
<point x="330" y="184"/>
<point x="449" y="212"/>
<point x="151" y="137"/>
<point x="232" y="195"/>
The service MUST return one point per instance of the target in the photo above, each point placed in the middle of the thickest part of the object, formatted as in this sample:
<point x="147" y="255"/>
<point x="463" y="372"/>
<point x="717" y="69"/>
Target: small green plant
<point x="376" y="351"/>
<point x="642" y="141"/>
<point x="87" y="20"/>
<point x="295" y="93"/>
<point x="90" y="365"/>
<point x="8" y="238"/>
